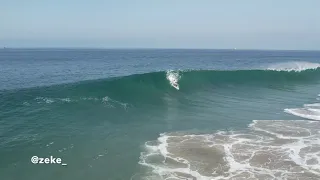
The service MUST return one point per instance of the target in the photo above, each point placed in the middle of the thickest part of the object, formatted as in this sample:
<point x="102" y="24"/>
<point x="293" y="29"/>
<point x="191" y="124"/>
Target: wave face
<point x="185" y="80"/>
<point x="149" y="88"/>
<point x="145" y="87"/>
<point x="189" y="79"/>
<point x="158" y="83"/>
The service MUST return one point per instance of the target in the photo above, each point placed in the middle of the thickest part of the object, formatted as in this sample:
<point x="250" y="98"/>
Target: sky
<point x="213" y="24"/>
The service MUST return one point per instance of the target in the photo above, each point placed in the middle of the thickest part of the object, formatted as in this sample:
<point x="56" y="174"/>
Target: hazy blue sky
<point x="253" y="24"/>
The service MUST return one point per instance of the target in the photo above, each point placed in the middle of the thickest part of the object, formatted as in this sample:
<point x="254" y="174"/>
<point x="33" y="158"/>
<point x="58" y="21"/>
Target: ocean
<point x="151" y="114"/>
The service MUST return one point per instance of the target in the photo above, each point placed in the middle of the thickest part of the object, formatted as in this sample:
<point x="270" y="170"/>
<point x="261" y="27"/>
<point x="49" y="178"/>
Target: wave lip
<point x="269" y="149"/>
<point x="297" y="66"/>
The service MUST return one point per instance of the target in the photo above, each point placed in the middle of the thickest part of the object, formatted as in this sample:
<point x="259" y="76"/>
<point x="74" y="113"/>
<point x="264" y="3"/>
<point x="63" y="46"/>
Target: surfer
<point x="175" y="84"/>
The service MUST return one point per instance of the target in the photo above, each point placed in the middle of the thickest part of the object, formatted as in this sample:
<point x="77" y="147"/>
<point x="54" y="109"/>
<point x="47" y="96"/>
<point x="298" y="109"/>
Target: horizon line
<point x="146" y="48"/>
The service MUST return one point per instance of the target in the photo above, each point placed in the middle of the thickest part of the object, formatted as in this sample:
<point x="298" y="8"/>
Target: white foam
<point x="293" y="66"/>
<point x="65" y="99"/>
<point x="173" y="77"/>
<point x="277" y="149"/>
<point x="26" y="103"/>
<point x="113" y="103"/>
<point x="161" y="149"/>
<point x="304" y="113"/>
<point x="308" y="111"/>
<point x="105" y="100"/>
<point x="49" y="100"/>
<point x="44" y="100"/>
<point x="312" y="105"/>
<point x="89" y="99"/>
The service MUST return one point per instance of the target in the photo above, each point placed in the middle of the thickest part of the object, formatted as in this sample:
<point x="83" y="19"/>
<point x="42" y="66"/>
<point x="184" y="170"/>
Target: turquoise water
<point x="100" y="111"/>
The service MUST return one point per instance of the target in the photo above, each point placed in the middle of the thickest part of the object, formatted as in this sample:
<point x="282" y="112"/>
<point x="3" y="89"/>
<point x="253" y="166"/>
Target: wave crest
<point x="293" y="66"/>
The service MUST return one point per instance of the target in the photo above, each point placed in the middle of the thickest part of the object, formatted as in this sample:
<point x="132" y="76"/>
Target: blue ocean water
<point x="159" y="114"/>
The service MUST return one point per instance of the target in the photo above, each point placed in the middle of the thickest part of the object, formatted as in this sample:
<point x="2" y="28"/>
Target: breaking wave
<point x="293" y="66"/>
